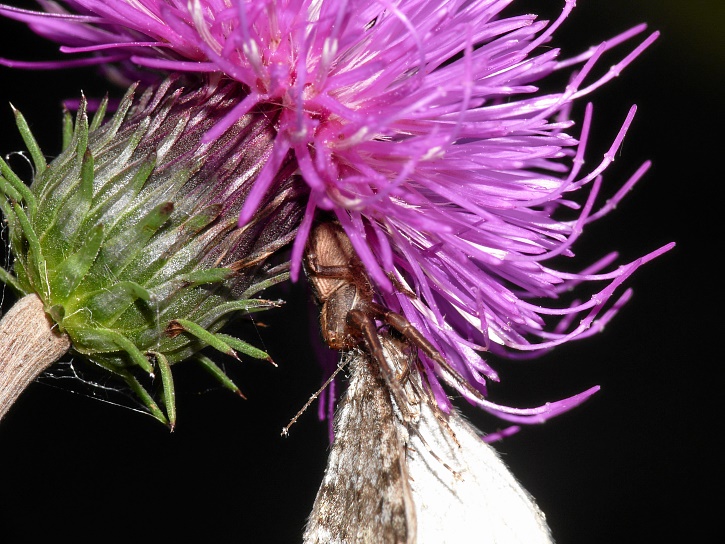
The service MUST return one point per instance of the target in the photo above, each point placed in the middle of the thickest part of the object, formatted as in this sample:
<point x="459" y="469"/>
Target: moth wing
<point x="475" y="498"/>
<point x="365" y="494"/>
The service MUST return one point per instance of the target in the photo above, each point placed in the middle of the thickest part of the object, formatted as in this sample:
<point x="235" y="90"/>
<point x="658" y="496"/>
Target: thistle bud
<point x="130" y="238"/>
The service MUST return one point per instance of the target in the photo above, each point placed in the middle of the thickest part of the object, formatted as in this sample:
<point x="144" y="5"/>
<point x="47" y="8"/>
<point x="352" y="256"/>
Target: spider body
<point x="340" y="285"/>
<point x="345" y="293"/>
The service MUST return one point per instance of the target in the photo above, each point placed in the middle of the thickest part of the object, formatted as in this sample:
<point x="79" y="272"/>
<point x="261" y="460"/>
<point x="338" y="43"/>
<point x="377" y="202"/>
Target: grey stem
<point x="29" y="343"/>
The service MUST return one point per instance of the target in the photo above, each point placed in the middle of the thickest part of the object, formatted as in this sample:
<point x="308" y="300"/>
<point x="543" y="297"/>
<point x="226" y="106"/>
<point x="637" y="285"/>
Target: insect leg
<point x="406" y="328"/>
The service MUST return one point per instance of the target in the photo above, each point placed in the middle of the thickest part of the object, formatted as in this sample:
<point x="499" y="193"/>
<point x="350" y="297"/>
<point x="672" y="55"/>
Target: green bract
<point x="130" y="236"/>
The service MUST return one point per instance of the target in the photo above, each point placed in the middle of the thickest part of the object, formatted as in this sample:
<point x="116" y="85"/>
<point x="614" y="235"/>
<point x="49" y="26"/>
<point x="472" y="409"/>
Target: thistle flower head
<point x="130" y="236"/>
<point x="419" y="125"/>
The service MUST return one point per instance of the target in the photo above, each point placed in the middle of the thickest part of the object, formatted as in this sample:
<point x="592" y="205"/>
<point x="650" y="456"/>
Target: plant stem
<point x="29" y="343"/>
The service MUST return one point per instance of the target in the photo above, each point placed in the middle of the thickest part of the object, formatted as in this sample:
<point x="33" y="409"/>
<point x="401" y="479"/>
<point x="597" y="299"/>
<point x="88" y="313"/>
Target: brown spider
<point x="348" y="313"/>
<point x="347" y="317"/>
<point x="342" y="287"/>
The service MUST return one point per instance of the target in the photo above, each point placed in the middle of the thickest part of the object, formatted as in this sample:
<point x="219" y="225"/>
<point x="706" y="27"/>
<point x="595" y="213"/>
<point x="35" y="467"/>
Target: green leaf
<point x="87" y="177"/>
<point x="73" y="211"/>
<point x="200" y="220"/>
<point x="56" y="186"/>
<point x="202" y="277"/>
<point x="81" y="131"/>
<point x="107" y="304"/>
<point x="68" y="275"/>
<point x="132" y="240"/>
<point x="120" y="188"/>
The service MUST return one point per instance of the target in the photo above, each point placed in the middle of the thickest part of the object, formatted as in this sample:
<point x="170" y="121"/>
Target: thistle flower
<point x="130" y="240"/>
<point x="419" y="125"/>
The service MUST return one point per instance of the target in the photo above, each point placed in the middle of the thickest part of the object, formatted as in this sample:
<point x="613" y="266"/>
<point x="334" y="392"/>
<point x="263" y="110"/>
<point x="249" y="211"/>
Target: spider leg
<point x="365" y="324"/>
<point x="327" y="271"/>
<point x="406" y="328"/>
<point x="399" y="286"/>
<point x="333" y="272"/>
<point x="416" y="395"/>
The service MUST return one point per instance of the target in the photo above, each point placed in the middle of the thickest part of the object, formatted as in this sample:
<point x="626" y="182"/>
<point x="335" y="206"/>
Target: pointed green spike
<point x="109" y="130"/>
<point x="35" y="152"/>
<point x="266" y="284"/>
<point x="8" y="279"/>
<point x="100" y="114"/>
<point x="243" y="347"/>
<point x="98" y="340"/>
<point x="17" y="184"/>
<point x="214" y="369"/>
<point x="87" y="177"/>
<point x="249" y="306"/>
<point x="8" y="191"/>
<point x="67" y="131"/>
<point x="81" y="130"/>
<point x="202" y="334"/>
<point x="203" y="277"/>
<point x="167" y="381"/>
<point x="144" y="395"/>
<point x="36" y="261"/>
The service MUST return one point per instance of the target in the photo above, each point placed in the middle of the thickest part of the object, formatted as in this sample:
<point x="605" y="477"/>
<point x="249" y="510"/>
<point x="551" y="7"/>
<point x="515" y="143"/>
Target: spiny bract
<point x="130" y="236"/>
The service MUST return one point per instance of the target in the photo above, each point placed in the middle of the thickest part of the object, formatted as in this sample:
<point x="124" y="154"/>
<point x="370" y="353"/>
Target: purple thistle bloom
<point x="417" y="124"/>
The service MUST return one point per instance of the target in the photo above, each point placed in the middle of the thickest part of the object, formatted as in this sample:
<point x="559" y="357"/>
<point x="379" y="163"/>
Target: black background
<point x="636" y="463"/>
